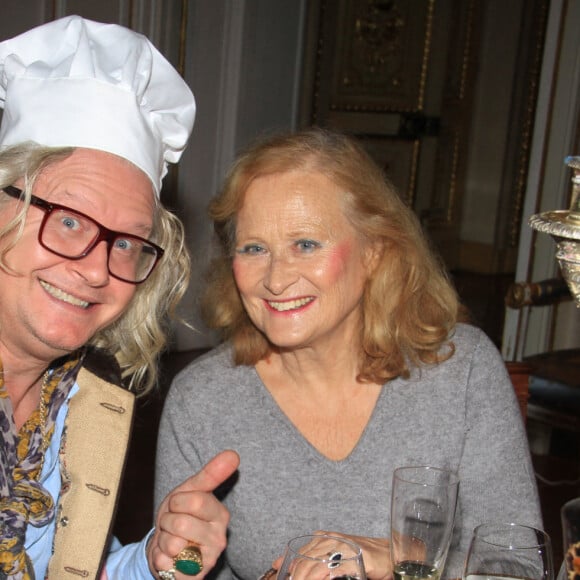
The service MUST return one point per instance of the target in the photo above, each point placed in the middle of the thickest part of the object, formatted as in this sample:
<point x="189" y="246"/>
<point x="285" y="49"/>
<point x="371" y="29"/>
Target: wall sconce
<point x="564" y="227"/>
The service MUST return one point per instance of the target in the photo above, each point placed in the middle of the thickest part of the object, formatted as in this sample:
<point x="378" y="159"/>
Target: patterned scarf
<point x="23" y="500"/>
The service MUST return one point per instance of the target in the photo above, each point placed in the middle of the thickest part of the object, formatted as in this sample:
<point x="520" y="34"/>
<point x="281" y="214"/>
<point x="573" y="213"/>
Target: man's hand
<point x="191" y="514"/>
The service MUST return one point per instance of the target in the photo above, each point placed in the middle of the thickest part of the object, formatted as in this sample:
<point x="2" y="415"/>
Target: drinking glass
<point x="500" y="551"/>
<point x="322" y="556"/>
<point x="423" y="506"/>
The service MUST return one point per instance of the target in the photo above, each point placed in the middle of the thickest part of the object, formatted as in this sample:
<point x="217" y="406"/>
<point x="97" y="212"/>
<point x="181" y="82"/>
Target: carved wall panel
<point x="395" y="74"/>
<point x="381" y="56"/>
<point x="398" y="159"/>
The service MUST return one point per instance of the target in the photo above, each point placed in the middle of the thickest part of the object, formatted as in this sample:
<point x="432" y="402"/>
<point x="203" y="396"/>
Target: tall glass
<point x="502" y="551"/>
<point x="321" y="557"/>
<point x="422" y="515"/>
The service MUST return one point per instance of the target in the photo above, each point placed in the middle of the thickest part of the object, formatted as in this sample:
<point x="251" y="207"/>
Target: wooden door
<point x="401" y="76"/>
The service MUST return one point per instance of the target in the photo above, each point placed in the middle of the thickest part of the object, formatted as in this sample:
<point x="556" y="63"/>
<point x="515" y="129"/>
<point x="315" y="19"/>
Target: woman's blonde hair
<point x="409" y="306"/>
<point x="139" y="336"/>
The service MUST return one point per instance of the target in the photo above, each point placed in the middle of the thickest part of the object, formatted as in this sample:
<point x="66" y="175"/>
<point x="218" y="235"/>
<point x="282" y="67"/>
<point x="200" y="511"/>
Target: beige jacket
<point x="93" y="455"/>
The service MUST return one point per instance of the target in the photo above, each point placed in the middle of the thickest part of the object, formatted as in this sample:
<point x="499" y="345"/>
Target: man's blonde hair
<point x="139" y="336"/>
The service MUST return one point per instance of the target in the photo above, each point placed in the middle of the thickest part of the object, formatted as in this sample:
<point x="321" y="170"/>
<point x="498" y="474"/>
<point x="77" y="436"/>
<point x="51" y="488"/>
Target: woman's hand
<point x="191" y="514"/>
<point x="376" y="555"/>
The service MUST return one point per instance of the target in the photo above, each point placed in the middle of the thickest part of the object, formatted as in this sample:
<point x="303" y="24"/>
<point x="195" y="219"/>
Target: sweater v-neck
<point x="275" y="411"/>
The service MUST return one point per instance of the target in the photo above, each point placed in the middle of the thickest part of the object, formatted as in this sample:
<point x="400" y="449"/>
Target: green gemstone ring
<point x="189" y="561"/>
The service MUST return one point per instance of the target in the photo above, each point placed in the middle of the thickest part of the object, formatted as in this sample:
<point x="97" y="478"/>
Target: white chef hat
<point x="78" y="83"/>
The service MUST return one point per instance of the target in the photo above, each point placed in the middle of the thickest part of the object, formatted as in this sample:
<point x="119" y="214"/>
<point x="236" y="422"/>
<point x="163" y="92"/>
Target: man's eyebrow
<point x="140" y="229"/>
<point x="143" y="229"/>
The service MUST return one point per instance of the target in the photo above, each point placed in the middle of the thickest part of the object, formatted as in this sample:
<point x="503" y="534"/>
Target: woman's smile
<point x="289" y="305"/>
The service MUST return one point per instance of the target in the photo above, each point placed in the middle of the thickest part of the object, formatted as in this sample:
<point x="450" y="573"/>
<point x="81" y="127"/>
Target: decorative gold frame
<point x="381" y="56"/>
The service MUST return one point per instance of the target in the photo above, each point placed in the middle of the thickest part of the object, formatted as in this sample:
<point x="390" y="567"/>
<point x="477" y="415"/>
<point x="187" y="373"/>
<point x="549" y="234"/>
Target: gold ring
<point x="189" y="561"/>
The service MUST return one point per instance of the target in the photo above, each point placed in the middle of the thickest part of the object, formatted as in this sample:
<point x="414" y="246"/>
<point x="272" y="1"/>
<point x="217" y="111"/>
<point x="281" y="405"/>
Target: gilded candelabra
<point x="564" y="227"/>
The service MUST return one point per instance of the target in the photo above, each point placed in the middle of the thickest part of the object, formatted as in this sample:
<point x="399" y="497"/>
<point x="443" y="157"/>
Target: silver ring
<point x="167" y="574"/>
<point x="335" y="558"/>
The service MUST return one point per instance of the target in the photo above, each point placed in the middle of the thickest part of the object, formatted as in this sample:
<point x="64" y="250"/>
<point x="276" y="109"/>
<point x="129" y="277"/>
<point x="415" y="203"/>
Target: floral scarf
<point x="23" y="500"/>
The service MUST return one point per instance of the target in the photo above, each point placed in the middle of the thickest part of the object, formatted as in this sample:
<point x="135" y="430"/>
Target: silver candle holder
<point x="564" y="227"/>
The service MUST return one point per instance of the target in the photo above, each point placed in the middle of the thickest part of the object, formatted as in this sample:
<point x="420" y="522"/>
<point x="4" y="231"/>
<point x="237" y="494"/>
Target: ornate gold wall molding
<point x="450" y="168"/>
<point x="531" y="67"/>
<point x="381" y="56"/>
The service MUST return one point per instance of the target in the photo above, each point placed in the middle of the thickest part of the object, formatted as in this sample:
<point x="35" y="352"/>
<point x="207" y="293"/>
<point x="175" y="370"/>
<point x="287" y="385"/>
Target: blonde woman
<point x="345" y="357"/>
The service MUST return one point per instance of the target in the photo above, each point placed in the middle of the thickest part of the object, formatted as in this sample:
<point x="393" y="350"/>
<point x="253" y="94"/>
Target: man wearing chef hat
<point x="91" y="265"/>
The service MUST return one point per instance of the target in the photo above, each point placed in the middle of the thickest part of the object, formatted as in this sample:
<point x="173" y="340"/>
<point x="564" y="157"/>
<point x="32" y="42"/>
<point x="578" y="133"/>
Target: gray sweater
<point x="461" y="415"/>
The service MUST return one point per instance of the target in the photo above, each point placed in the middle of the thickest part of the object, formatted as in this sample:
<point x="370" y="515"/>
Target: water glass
<point x="321" y="557"/>
<point x="423" y="506"/>
<point x="502" y="551"/>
